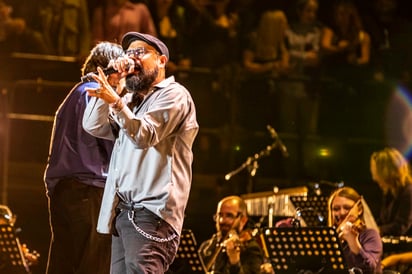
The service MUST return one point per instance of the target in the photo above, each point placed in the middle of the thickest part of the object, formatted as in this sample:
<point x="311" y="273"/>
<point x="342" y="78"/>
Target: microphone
<point x="107" y="71"/>
<point x="279" y="142"/>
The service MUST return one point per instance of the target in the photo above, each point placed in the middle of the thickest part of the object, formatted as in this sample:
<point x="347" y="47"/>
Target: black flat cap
<point x="129" y="37"/>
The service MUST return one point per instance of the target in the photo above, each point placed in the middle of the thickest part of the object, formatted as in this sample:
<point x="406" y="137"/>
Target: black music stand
<point x="313" y="209"/>
<point x="187" y="259"/>
<point x="11" y="256"/>
<point x="304" y="250"/>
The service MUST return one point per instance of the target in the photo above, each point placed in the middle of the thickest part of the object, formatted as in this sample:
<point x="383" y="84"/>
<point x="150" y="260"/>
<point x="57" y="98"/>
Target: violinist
<point x="29" y="257"/>
<point x="232" y="249"/>
<point x="361" y="244"/>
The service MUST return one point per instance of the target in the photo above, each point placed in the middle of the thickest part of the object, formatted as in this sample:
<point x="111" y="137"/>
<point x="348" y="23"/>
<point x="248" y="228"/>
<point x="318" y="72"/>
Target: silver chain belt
<point x="130" y="215"/>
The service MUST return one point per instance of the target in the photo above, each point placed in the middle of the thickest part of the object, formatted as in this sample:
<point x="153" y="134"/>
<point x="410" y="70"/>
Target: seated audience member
<point x="16" y="35"/>
<point x="264" y="59"/>
<point x="267" y="52"/>
<point x="299" y="100"/>
<point x="391" y="171"/>
<point x="346" y="38"/>
<point x="170" y="21"/>
<point x="361" y="244"/>
<point x="66" y="27"/>
<point x="303" y="36"/>
<point x="233" y="249"/>
<point x="212" y="28"/>
<point x="346" y="45"/>
<point x="114" y="18"/>
<point x="389" y="25"/>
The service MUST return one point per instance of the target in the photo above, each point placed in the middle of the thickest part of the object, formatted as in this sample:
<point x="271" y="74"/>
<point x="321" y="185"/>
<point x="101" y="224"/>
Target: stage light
<point x="324" y="152"/>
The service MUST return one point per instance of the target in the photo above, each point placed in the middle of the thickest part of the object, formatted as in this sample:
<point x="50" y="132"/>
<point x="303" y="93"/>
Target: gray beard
<point x="141" y="82"/>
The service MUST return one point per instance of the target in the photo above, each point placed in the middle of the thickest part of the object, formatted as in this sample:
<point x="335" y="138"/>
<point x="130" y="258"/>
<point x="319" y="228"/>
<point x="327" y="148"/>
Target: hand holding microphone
<point x="120" y="65"/>
<point x="123" y="64"/>
<point x="106" y="91"/>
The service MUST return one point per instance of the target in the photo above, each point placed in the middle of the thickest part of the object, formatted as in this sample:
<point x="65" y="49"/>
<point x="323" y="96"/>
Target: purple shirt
<point x="369" y="257"/>
<point x="74" y="152"/>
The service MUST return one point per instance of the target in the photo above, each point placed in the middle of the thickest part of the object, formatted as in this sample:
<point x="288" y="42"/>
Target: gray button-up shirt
<point x="151" y="163"/>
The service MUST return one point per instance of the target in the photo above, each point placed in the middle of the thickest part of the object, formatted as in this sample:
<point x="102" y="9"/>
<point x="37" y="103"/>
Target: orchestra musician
<point x="391" y="171"/>
<point x="361" y="243"/>
<point x="29" y="257"/>
<point x="397" y="261"/>
<point x="233" y="249"/>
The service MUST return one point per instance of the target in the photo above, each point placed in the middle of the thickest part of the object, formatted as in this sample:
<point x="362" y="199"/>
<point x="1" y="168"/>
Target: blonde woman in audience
<point x="267" y="52"/>
<point x="265" y="59"/>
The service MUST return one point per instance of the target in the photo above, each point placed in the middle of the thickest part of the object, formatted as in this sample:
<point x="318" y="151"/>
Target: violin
<point x="233" y="238"/>
<point x="31" y="257"/>
<point x="352" y="220"/>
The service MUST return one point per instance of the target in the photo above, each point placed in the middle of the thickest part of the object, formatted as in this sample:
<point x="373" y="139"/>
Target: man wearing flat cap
<point x="154" y="126"/>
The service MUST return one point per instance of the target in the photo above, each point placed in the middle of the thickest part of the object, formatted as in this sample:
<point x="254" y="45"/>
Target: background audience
<point x="360" y="36"/>
<point x="16" y="34"/>
<point x="65" y="25"/>
<point x="170" y="23"/>
<point x="346" y="45"/>
<point x="113" y="18"/>
<point x="264" y="59"/>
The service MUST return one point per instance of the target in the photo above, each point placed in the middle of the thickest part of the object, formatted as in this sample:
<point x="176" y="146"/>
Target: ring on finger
<point x="98" y="91"/>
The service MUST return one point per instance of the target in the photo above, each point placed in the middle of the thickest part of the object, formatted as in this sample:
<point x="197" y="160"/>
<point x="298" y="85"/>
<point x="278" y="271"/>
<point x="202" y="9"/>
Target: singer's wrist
<point x="117" y="105"/>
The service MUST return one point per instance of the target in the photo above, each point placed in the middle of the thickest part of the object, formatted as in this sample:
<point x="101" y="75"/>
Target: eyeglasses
<point x="137" y="52"/>
<point x="229" y="216"/>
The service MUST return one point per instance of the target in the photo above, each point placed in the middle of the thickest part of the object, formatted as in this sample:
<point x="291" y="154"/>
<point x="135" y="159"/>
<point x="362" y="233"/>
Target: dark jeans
<point x="133" y="253"/>
<point x="76" y="247"/>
